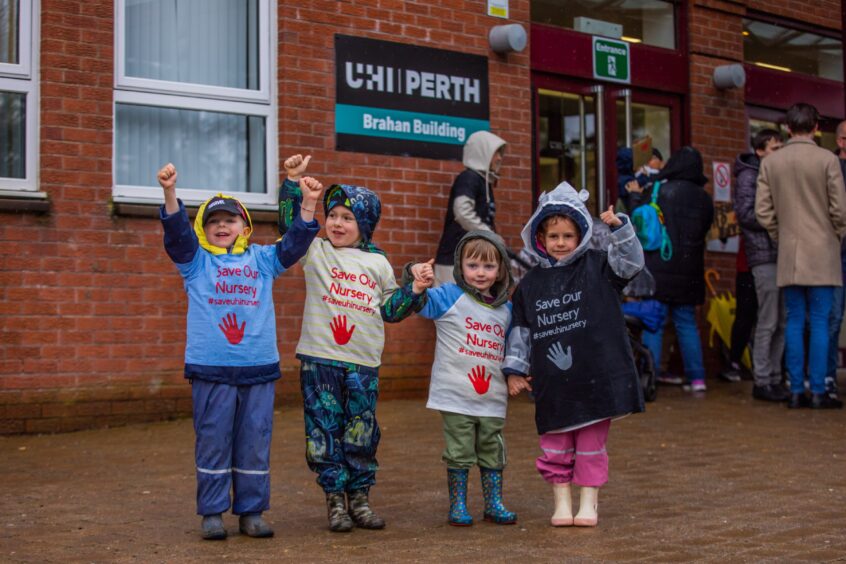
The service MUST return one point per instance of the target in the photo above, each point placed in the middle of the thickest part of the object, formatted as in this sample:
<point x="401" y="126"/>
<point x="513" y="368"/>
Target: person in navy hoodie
<point x="569" y="345"/>
<point x="471" y="317"/>
<point x="231" y="359"/>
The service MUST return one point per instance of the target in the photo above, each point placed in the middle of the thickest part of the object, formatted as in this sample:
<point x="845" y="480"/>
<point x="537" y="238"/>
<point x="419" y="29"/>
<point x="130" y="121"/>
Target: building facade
<point x="96" y="95"/>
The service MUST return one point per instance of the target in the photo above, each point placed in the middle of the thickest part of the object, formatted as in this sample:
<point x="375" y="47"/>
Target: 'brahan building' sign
<point x="399" y="99"/>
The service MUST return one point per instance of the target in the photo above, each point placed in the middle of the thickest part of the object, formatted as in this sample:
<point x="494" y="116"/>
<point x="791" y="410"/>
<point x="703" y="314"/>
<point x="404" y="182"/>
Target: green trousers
<point x="473" y="440"/>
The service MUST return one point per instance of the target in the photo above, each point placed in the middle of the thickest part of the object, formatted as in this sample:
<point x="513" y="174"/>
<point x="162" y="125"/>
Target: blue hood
<point x="563" y="200"/>
<point x="365" y="206"/>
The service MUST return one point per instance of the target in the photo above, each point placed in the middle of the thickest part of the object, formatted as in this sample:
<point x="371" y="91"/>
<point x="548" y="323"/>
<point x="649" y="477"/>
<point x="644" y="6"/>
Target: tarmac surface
<point x="714" y="479"/>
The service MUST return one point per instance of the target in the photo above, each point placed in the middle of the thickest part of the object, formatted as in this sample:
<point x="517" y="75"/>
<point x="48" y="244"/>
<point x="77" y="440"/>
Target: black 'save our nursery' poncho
<point x="568" y="330"/>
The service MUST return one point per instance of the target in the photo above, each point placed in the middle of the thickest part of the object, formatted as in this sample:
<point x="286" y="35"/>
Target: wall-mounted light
<point x="729" y="76"/>
<point x="630" y="39"/>
<point x="507" y="38"/>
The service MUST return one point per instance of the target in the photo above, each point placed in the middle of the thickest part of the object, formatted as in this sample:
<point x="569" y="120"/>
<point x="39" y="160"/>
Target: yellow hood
<point x="241" y="242"/>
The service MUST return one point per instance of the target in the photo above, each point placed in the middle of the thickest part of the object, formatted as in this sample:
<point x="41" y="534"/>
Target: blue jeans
<point x="816" y="302"/>
<point x="834" y="322"/>
<point x="687" y="333"/>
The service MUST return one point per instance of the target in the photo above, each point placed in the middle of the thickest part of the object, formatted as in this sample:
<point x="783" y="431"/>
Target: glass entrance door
<point x="567" y="143"/>
<point x="580" y="127"/>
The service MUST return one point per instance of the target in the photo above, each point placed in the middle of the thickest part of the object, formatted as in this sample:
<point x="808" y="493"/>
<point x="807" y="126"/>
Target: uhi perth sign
<point x="399" y="99"/>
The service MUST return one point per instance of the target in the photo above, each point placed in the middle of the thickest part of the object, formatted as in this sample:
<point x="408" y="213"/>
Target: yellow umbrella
<point x="721" y="313"/>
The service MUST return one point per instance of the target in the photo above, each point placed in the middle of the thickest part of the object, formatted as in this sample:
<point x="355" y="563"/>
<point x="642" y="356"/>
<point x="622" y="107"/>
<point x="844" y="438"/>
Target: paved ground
<point x="713" y="480"/>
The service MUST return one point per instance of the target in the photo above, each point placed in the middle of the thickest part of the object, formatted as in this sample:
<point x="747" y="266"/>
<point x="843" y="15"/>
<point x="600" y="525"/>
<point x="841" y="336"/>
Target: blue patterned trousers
<point x="339" y="408"/>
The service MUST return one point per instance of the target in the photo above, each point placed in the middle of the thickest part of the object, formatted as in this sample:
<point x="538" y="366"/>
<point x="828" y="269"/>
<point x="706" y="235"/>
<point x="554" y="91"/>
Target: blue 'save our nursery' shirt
<point x="231" y="329"/>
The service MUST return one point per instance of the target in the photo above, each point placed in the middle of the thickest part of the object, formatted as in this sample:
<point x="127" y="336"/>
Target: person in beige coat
<point x="801" y="203"/>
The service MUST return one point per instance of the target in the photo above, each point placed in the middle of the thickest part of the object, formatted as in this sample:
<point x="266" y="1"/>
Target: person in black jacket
<point x="471" y="204"/>
<point x="762" y="253"/>
<point x="680" y="281"/>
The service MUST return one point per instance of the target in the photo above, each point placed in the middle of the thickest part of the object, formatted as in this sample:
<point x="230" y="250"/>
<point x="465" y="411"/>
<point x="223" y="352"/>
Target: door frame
<point x="582" y="86"/>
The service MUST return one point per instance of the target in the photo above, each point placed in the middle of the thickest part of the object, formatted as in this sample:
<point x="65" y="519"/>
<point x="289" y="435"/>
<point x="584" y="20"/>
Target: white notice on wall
<point x="498" y="8"/>
<point x="722" y="182"/>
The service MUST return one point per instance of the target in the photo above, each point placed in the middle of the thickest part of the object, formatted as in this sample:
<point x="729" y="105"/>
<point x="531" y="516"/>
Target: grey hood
<point x="479" y="150"/>
<point x="500" y="290"/>
<point x="563" y="200"/>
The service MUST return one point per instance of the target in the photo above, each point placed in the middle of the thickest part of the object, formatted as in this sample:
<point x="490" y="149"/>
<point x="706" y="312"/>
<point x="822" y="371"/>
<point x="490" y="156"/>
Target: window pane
<point x="210" y="42"/>
<point x="791" y="50"/>
<point x="12" y="135"/>
<point x="212" y="151"/>
<point x="825" y="137"/>
<point x="567" y="141"/>
<point x="646" y="120"/>
<point x="9" y="10"/>
<point x="639" y="21"/>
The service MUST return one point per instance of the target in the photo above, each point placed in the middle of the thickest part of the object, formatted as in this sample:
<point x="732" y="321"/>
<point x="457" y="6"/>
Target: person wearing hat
<point x="350" y="292"/>
<point x="231" y="358"/>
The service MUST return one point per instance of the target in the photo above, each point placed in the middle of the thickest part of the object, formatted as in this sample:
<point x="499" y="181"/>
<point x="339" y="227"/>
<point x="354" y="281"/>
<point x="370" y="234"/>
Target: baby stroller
<point x="642" y="356"/>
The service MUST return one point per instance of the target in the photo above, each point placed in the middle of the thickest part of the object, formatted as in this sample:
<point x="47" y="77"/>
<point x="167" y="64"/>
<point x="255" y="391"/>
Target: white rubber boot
<point x="563" y="516"/>
<point x="587" y="516"/>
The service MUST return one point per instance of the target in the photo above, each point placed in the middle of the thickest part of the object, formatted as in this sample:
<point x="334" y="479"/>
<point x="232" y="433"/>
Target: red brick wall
<point x="414" y="191"/>
<point x="92" y="312"/>
<point x="718" y="117"/>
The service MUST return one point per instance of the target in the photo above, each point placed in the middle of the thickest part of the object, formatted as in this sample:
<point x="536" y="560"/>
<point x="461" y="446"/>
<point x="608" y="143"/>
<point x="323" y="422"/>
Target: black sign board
<point x="398" y="99"/>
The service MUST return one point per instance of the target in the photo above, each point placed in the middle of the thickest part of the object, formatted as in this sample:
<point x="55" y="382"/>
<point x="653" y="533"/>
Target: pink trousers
<point x="575" y="456"/>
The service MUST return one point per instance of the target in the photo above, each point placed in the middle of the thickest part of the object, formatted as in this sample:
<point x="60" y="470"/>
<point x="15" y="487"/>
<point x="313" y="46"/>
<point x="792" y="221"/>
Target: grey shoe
<point x="252" y="525"/>
<point x="339" y="519"/>
<point x="213" y="527"/>
<point x="361" y="512"/>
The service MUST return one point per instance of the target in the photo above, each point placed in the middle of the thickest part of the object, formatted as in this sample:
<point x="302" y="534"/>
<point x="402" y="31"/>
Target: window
<point x="825" y="137"/>
<point x="792" y="50"/>
<point x="651" y="22"/>
<point x="194" y="86"/>
<point x="18" y="97"/>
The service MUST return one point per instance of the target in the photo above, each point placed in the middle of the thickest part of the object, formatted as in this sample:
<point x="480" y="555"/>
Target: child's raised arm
<point x="167" y="179"/>
<point x="625" y="254"/>
<point x="311" y="190"/>
<point x="291" y="193"/>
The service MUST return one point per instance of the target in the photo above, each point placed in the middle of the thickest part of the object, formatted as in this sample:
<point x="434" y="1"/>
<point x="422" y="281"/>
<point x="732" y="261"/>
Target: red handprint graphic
<point x="477" y="378"/>
<point x="230" y="328"/>
<point x="339" y="330"/>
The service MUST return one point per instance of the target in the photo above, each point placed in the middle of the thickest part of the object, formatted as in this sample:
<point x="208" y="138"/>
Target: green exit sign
<point x="611" y="60"/>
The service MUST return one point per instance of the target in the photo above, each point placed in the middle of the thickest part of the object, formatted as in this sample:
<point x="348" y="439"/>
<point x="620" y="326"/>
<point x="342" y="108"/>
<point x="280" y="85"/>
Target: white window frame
<point x="183" y="95"/>
<point x="22" y="78"/>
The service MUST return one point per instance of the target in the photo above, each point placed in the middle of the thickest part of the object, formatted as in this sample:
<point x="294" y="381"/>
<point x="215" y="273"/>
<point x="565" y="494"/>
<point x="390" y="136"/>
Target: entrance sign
<point x="611" y="60"/>
<point x="398" y="99"/>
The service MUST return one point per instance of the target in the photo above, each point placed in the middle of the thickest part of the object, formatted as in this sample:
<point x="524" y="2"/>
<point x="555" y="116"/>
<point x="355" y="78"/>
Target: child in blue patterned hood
<point x="231" y="357"/>
<point x="350" y="292"/>
<point x="568" y="333"/>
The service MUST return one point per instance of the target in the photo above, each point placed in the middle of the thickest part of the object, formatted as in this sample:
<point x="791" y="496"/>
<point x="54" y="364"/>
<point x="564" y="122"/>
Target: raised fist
<point x="167" y="176"/>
